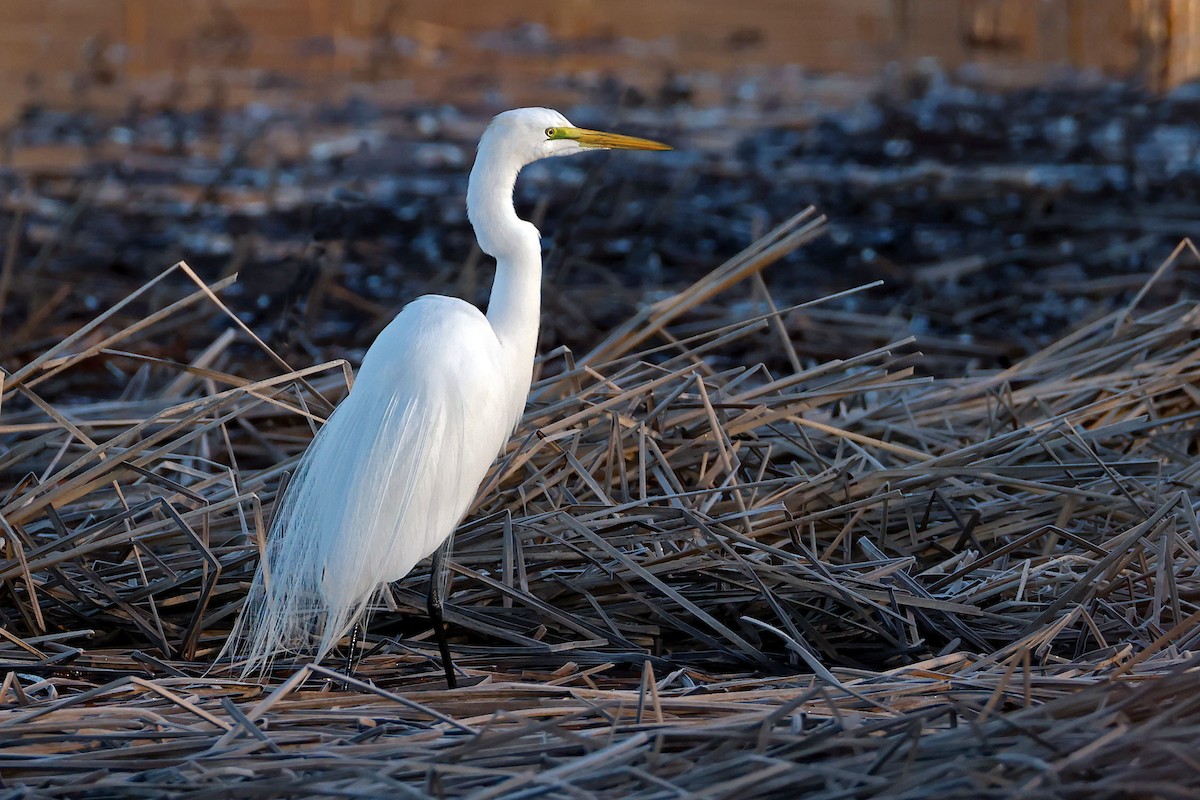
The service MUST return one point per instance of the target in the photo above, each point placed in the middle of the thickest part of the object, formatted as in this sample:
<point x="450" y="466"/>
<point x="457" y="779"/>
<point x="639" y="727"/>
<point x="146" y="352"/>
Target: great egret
<point x="394" y="469"/>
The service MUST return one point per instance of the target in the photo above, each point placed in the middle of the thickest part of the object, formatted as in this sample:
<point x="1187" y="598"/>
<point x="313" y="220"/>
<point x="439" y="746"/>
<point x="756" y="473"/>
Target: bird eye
<point x="550" y="132"/>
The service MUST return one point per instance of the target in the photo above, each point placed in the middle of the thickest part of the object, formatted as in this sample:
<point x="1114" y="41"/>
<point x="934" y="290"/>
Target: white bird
<point x="395" y="468"/>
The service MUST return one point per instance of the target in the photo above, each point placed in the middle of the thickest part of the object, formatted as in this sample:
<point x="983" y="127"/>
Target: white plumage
<point x="396" y="466"/>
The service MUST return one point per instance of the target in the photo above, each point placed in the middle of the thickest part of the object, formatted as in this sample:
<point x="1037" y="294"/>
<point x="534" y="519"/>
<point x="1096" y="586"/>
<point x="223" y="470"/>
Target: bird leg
<point x="436" y="601"/>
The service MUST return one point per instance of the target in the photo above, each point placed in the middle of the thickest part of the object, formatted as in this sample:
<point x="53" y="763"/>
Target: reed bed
<point x="685" y="574"/>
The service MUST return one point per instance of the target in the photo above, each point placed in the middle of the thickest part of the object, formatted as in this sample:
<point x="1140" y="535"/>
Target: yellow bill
<point x="604" y="140"/>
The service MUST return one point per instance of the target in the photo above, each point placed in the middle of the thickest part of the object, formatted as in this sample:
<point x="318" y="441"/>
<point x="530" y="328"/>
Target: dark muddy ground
<point x="996" y="219"/>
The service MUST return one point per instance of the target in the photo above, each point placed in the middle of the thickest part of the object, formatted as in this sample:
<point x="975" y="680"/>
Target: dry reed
<point x="684" y="576"/>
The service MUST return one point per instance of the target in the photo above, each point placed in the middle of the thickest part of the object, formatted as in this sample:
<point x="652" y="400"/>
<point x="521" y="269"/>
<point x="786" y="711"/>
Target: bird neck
<point x="514" y="310"/>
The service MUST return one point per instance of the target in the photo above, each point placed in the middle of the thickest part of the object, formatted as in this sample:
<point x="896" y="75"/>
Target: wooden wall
<point x="61" y="40"/>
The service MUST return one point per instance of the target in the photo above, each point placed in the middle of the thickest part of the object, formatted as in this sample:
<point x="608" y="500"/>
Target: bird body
<point x="383" y="483"/>
<point x="396" y="466"/>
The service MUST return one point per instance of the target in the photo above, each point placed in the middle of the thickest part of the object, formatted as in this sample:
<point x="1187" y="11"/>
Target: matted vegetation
<point x="686" y="573"/>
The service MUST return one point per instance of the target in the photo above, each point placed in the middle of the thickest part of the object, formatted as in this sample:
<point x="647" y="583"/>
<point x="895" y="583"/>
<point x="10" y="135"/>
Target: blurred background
<point x="1010" y="168"/>
<point x="51" y="48"/>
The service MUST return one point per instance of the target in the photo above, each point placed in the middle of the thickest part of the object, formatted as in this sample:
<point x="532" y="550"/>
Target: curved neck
<point x="514" y="309"/>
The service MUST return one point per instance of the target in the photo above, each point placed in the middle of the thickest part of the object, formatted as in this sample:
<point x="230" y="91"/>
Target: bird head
<point x="536" y="133"/>
<point x="513" y="140"/>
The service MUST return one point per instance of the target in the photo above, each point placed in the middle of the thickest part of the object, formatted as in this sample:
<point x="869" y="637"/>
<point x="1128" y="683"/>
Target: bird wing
<point x="385" y="481"/>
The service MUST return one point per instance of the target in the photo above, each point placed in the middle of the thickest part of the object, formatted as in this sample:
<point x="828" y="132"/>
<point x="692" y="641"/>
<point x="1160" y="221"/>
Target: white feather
<point x="397" y="464"/>
<point x="404" y="473"/>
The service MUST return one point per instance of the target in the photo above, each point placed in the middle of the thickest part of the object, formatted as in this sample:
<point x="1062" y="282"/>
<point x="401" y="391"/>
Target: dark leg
<point x="437" y="598"/>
